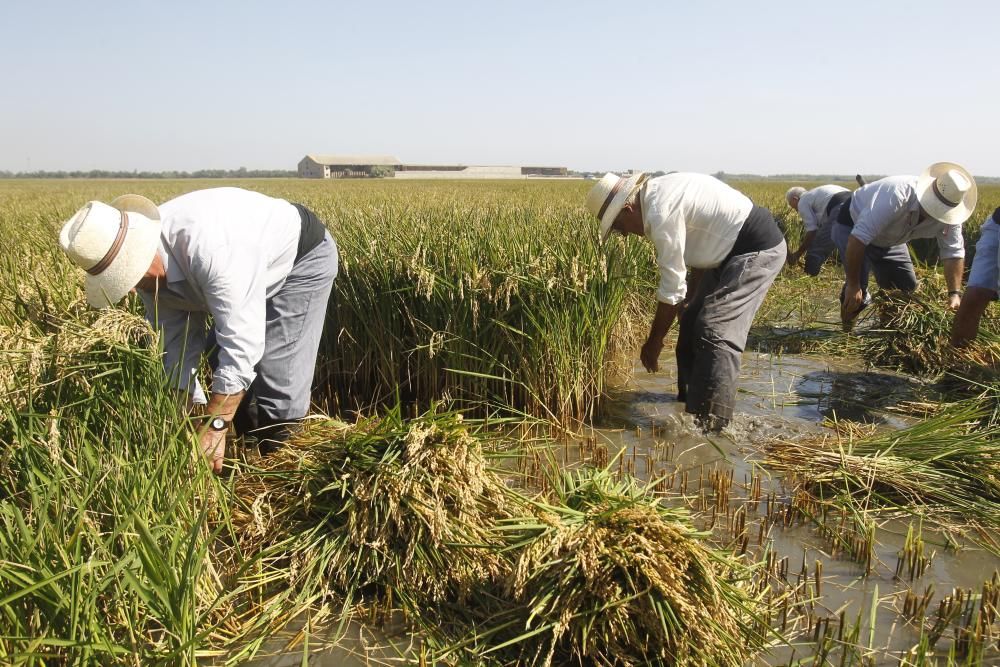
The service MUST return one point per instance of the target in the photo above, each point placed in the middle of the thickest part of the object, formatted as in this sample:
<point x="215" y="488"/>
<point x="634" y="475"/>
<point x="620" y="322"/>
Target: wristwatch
<point x="218" y="424"/>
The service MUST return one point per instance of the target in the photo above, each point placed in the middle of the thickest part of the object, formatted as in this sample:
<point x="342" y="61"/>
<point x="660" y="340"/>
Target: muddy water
<point x="786" y="397"/>
<point x="779" y="397"/>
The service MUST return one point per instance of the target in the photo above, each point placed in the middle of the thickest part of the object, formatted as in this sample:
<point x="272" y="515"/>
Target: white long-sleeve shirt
<point x="693" y="221"/>
<point x="225" y="251"/>
<point x="812" y="205"/>
<point x="887" y="213"/>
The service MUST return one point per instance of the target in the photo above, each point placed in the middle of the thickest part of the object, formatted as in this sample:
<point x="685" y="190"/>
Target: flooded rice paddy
<point x="839" y="595"/>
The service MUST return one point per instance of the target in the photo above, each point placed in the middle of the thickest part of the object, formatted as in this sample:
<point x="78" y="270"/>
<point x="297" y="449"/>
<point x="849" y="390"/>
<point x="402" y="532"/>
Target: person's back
<point x="711" y="212"/>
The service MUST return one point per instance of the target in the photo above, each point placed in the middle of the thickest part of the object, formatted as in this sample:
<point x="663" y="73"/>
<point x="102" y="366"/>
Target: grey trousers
<point x="295" y="315"/>
<point x="714" y="327"/>
<point x="820" y="249"/>
<point x="892" y="267"/>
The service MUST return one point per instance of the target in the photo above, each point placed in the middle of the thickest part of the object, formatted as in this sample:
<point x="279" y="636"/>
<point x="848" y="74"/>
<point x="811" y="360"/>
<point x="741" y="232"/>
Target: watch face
<point x="218" y="424"/>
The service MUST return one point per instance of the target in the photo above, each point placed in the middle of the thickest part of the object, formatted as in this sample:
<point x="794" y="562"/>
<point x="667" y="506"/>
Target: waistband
<point x="312" y="232"/>
<point x="759" y="232"/>
<point x="844" y="217"/>
<point x="836" y="200"/>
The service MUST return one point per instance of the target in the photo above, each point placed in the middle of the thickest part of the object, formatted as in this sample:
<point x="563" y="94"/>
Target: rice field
<point x="468" y="488"/>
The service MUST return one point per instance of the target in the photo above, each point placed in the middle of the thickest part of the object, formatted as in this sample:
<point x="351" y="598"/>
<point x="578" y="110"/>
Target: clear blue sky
<point x="764" y="87"/>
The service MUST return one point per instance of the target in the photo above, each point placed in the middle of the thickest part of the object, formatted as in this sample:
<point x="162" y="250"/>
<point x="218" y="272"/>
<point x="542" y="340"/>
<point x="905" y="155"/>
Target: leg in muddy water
<point x="720" y="330"/>
<point x="684" y="351"/>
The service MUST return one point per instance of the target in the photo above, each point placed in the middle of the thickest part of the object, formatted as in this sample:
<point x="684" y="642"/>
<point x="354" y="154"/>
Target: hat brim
<point x="137" y="204"/>
<point x="949" y="215"/>
<point x="617" y="204"/>
<point x="129" y="266"/>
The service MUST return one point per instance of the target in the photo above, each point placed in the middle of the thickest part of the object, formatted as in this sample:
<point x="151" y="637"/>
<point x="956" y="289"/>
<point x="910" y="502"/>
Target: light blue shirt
<point x="887" y="213"/>
<point x="812" y="205"/>
<point x="226" y="251"/>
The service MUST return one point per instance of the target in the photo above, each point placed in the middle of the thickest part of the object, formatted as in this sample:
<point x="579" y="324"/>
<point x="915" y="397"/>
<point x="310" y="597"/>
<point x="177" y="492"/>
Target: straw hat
<point x="607" y="198"/>
<point x="114" y="244"/>
<point x="947" y="192"/>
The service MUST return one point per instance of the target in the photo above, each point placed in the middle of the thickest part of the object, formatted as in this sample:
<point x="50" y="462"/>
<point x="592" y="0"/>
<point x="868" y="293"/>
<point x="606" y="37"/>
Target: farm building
<point x="347" y="166"/>
<point x="366" y="166"/>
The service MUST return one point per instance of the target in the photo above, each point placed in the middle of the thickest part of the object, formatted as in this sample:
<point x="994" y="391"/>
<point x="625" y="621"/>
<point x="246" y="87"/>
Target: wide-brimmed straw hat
<point x="607" y="198"/>
<point x="115" y="244"/>
<point x="947" y="192"/>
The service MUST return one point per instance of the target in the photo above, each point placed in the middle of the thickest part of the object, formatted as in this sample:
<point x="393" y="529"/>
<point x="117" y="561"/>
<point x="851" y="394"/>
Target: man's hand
<point x="853" y="298"/>
<point x="213" y="446"/>
<point x="650" y="354"/>
<point x="792" y="258"/>
<point x="954" y="301"/>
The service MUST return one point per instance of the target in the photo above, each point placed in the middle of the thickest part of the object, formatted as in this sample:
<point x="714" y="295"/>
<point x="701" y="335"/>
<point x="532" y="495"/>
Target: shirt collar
<point x="645" y="198"/>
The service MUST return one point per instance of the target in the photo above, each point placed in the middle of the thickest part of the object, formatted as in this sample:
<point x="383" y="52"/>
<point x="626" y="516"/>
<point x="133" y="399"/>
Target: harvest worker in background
<point x="983" y="286"/>
<point x="815" y="206"/>
<point x="734" y="250"/>
<point x="262" y="268"/>
<point x="872" y="233"/>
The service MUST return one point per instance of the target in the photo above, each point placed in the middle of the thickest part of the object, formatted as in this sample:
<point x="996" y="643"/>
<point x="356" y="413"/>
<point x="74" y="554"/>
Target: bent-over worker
<point x="261" y="268"/>
<point x="734" y="250"/>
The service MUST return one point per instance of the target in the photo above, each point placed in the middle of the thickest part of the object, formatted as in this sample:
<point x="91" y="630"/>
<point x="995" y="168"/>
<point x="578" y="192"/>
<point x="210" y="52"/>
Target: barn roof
<point x="334" y="159"/>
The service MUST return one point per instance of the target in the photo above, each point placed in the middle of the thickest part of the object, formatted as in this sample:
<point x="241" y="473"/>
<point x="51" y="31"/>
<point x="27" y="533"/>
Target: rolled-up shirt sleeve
<point x="951" y="244"/>
<point x="668" y="237"/>
<point x="182" y="334"/>
<point x="810" y="222"/>
<point x="236" y="297"/>
<point x="886" y="206"/>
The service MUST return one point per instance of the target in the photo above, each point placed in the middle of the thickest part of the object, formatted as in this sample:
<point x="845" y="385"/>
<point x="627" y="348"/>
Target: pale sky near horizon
<point x="776" y="87"/>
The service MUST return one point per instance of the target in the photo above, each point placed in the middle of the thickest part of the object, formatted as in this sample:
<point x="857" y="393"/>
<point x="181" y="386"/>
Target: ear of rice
<point x="607" y="575"/>
<point x="380" y="505"/>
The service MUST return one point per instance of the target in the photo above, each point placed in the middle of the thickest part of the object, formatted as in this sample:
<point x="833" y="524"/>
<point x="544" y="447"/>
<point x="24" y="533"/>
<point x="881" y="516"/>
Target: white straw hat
<point x="114" y="244"/>
<point x="607" y="198"/>
<point x="947" y="192"/>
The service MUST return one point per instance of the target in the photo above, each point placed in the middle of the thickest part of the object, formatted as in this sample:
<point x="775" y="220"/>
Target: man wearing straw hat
<point x="983" y="287"/>
<point x="872" y="232"/>
<point x="261" y="268"/>
<point x="734" y="250"/>
<point x="814" y="206"/>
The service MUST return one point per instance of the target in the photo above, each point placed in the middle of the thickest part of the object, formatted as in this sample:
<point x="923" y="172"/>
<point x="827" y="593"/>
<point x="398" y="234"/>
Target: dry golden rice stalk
<point x="613" y="577"/>
<point x="380" y="505"/>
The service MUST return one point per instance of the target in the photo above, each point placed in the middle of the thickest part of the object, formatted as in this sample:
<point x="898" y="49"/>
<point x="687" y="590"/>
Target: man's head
<point x="609" y="198"/>
<point x="793" y="195"/>
<point x="947" y="193"/>
<point x="115" y="244"/>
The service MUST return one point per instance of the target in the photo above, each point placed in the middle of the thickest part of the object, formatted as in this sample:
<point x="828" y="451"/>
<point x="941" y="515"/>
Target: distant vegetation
<point x="242" y="172"/>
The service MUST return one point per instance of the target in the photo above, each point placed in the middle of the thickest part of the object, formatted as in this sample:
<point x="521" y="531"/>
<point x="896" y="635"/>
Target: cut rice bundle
<point x="380" y="506"/>
<point x="610" y="576"/>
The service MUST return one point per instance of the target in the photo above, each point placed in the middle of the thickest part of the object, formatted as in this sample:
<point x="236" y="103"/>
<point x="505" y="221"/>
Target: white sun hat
<point x="607" y="198"/>
<point x="947" y="192"/>
<point x="114" y="244"/>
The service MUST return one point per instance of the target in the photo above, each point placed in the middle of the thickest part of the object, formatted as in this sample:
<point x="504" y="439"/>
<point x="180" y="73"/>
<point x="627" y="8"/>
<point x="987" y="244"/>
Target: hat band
<point x="941" y="197"/>
<point x="101" y="266"/>
<point x="611" y="196"/>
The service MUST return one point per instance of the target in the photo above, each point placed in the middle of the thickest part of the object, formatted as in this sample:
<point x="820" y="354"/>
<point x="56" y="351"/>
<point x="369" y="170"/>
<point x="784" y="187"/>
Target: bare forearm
<point x="224" y="405"/>
<point x="806" y="243"/>
<point x="665" y="315"/>
<point x="953" y="269"/>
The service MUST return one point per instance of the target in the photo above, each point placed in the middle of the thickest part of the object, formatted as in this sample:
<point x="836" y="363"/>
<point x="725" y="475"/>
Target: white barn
<point x="317" y="165"/>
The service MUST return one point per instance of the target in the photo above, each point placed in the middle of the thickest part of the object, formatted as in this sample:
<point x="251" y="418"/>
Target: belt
<point x="311" y="234"/>
<point x="844" y="218"/>
<point x="836" y="200"/>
